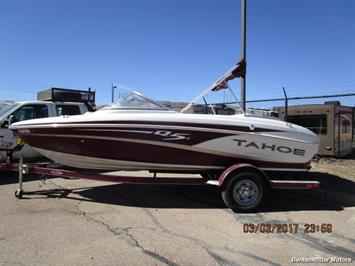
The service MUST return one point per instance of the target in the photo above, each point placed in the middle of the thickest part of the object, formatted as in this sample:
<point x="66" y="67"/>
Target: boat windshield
<point x="135" y="100"/>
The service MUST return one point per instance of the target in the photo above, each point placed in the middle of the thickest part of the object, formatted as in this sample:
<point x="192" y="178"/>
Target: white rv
<point x="332" y="122"/>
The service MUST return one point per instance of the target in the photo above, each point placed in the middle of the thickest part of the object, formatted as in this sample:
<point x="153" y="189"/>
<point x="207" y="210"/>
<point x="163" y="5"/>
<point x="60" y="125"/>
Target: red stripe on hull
<point x="190" y="137"/>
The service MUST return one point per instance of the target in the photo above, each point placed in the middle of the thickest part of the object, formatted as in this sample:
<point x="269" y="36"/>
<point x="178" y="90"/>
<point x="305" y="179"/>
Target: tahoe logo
<point x="271" y="147"/>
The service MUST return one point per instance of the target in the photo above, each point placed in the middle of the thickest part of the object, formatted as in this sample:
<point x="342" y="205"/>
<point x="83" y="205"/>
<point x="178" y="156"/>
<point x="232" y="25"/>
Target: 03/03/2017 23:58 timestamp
<point x="295" y="228"/>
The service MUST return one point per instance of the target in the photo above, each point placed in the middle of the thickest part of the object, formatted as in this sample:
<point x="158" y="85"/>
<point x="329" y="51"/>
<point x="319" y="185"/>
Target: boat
<point x="138" y="133"/>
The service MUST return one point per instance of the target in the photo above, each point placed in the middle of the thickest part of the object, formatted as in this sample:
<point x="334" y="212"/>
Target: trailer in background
<point x="333" y="122"/>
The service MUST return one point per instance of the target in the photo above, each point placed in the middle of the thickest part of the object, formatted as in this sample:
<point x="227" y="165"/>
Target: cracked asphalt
<point x="85" y="222"/>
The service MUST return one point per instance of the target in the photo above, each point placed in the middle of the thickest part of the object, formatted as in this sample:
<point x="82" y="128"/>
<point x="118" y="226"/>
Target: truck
<point x="49" y="103"/>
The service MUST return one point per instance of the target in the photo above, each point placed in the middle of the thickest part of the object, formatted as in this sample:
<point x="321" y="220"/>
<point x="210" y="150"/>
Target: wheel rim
<point x="245" y="192"/>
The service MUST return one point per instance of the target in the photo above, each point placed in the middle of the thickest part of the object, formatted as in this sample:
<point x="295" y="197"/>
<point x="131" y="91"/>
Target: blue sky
<point x="173" y="49"/>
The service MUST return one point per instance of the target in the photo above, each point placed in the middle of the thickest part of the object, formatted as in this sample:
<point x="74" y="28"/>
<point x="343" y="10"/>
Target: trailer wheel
<point x="245" y="192"/>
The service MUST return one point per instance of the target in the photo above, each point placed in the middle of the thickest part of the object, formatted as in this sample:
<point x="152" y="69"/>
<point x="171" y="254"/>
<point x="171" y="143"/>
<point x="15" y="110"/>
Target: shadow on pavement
<point x="7" y="178"/>
<point x="12" y="178"/>
<point x="331" y="182"/>
<point x="199" y="197"/>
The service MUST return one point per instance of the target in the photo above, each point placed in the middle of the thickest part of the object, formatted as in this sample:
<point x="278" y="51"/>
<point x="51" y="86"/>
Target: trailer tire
<point x="245" y="192"/>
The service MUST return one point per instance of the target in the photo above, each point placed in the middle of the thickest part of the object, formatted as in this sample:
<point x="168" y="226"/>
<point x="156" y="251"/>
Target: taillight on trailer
<point x="313" y="186"/>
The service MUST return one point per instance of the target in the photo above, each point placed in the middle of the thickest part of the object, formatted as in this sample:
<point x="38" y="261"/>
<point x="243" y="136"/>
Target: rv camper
<point x="332" y="122"/>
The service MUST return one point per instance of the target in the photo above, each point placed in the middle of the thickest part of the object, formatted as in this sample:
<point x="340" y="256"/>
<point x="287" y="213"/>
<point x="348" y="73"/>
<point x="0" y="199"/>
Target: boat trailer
<point x="238" y="182"/>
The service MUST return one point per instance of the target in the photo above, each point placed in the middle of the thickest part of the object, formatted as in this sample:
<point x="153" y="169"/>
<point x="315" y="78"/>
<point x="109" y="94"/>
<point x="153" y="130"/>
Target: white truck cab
<point x="20" y="111"/>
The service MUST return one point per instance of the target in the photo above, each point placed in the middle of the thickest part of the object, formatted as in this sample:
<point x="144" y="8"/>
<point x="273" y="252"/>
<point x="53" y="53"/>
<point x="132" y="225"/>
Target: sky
<point x="173" y="49"/>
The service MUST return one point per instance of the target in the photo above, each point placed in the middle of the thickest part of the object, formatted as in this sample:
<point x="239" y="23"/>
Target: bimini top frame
<point x="237" y="71"/>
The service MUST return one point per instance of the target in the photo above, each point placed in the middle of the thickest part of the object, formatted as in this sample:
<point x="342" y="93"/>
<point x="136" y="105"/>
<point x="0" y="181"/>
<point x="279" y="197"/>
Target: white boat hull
<point x="169" y="141"/>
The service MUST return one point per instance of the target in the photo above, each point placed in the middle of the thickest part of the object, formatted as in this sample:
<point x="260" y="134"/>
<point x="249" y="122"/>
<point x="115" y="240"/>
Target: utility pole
<point x="243" y="46"/>
<point x="113" y="87"/>
<point x="286" y="104"/>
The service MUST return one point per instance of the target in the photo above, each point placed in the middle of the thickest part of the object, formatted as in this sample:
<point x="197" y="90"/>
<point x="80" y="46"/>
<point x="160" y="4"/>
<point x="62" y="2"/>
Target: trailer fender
<point x="240" y="167"/>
